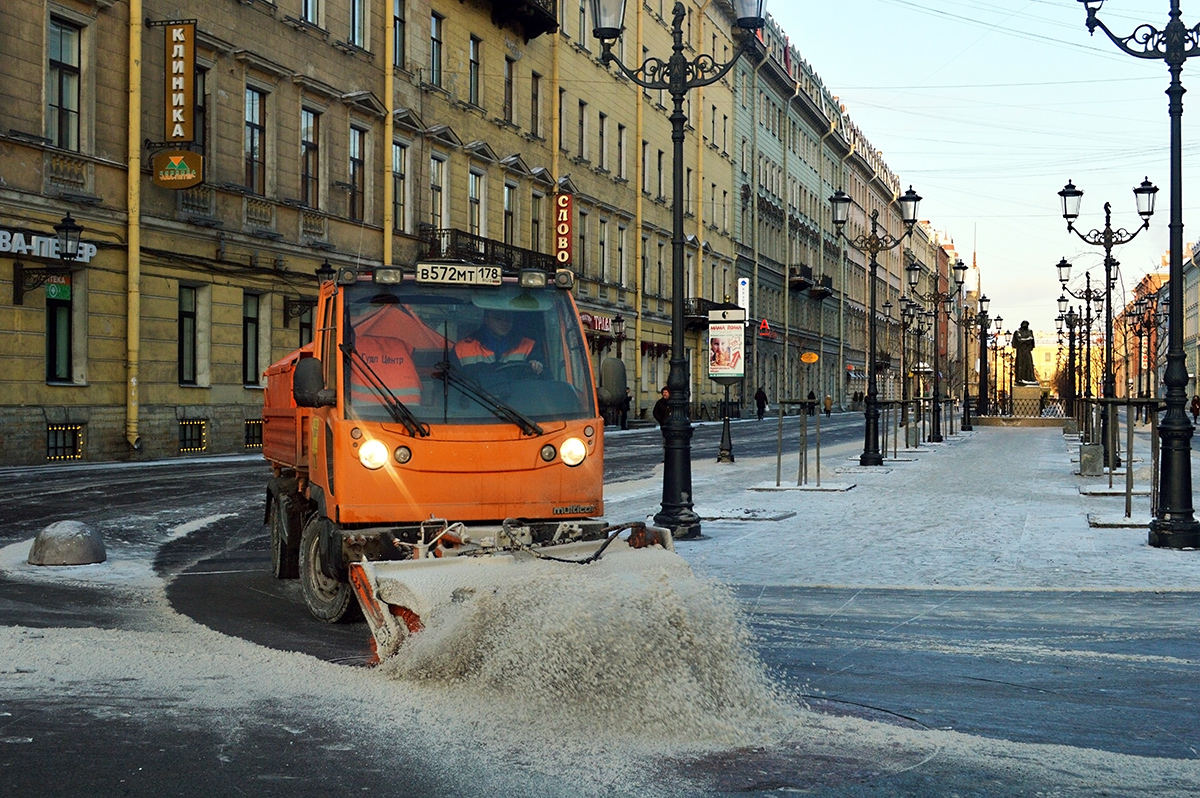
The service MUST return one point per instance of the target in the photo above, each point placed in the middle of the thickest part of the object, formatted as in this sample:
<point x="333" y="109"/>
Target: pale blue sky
<point x="988" y="107"/>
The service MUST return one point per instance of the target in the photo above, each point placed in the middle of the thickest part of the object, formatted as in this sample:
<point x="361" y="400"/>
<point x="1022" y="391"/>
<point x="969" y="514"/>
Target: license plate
<point x="458" y="273"/>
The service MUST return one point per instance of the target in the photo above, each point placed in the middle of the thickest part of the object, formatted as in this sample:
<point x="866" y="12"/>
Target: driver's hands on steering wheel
<point x="535" y="366"/>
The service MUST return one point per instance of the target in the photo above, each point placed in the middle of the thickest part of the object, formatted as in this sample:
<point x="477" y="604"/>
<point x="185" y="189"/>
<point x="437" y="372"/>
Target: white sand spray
<point x="589" y="651"/>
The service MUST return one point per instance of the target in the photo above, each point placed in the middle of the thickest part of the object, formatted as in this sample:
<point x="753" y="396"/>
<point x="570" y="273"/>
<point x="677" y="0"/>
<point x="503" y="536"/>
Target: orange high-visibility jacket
<point x="470" y="351"/>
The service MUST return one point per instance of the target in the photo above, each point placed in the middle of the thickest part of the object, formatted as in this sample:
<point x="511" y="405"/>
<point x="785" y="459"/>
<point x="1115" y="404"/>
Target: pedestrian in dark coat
<point x="661" y="408"/>
<point x="760" y="400"/>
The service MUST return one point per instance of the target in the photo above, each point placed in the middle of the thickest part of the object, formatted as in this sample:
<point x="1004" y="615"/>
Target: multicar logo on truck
<point x="573" y="509"/>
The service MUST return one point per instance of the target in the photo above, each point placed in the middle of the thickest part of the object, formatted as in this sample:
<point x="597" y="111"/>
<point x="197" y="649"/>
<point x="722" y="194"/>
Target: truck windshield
<point x="457" y="354"/>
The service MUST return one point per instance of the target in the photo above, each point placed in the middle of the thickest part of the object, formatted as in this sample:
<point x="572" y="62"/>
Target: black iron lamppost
<point x="998" y="323"/>
<point x="1106" y="238"/>
<point x="677" y="75"/>
<point x="1140" y="324"/>
<point x="1092" y="298"/>
<point x="1072" y="321"/>
<point x="872" y="244"/>
<point x="1174" y="524"/>
<point x="982" y="320"/>
<point x="966" y="320"/>
<point x="938" y="301"/>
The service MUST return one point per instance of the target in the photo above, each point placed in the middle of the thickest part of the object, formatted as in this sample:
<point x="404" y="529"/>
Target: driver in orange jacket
<point x="494" y="346"/>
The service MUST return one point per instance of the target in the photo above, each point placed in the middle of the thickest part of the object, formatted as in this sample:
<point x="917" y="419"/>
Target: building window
<point x="255" y="141"/>
<point x="358" y="173"/>
<point x="621" y="152"/>
<point x="535" y="221"/>
<point x="582" y="133"/>
<point x="310" y="158"/>
<point x="309" y="11"/>
<point x="562" y="122"/>
<point x="399" y="186"/>
<point x="358" y="23"/>
<point x="58" y="340"/>
<point x="581" y="256"/>
<point x="602" y="142"/>
<point x="583" y="23"/>
<point x="64" y="441"/>
<point x="435" y="49"/>
<point x="305" y="323"/>
<point x="475" y="189"/>
<point x="253" y="433"/>
<point x="602" y="252"/>
<point x="437" y="197"/>
<point x="187" y="335"/>
<point x="200" y="126"/>
<point x="192" y="437"/>
<point x="660" y="194"/>
<point x="535" y="104"/>
<point x="622" y="265"/>
<point x="62" y="93"/>
<point x="510" y="214"/>
<point x="399" y="56"/>
<point x="645" y="167"/>
<point x="473" y="71"/>
<point x="509" y="65"/>
<point x="250" y="367"/>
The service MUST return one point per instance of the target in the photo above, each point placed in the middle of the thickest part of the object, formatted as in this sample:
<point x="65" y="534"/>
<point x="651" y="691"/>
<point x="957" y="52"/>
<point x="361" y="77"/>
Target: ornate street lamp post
<point x="981" y="319"/>
<point x="1072" y="322"/>
<point x="1107" y="238"/>
<point x="966" y="320"/>
<point x="939" y="301"/>
<point x="677" y="75"/>
<point x="1174" y="525"/>
<point x="1093" y="298"/>
<point x="872" y="244"/>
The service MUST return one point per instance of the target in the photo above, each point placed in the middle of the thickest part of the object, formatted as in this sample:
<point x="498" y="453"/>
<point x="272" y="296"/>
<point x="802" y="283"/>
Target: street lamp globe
<point x="908" y="206"/>
<point x="1064" y="271"/>
<point x="1098" y="305"/>
<point x="1145" y="199"/>
<point x="983" y="304"/>
<point x="751" y="14"/>
<point x="608" y="18"/>
<point x="68" y="233"/>
<point x="1062" y="303"/>
<point x="913" y="269"/>
<point x="840" y="202"/>
<point x="960" y="272"/>
<point x="1071" y="199"/>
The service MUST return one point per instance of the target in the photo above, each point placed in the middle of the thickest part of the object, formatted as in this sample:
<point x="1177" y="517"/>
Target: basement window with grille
<point x="254" y="434"/>
<point x="64" y="441"/>
<point x="192" y="436"/>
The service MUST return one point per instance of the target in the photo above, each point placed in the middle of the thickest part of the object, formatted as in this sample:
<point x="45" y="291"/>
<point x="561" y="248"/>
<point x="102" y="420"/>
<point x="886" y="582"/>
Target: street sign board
<point x="726" y="340"/>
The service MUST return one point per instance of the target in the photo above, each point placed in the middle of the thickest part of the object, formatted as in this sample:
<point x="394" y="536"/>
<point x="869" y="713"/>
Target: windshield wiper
<point x="499" y="408"/>
<point x="397" y="409"/>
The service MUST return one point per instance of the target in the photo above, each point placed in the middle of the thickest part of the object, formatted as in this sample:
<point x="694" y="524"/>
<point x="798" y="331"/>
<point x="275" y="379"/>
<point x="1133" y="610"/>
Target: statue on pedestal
<point x="1023" y="344"/>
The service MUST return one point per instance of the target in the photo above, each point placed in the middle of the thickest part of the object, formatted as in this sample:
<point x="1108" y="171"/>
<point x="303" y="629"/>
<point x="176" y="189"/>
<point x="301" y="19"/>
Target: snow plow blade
<point x="397" y="597"/>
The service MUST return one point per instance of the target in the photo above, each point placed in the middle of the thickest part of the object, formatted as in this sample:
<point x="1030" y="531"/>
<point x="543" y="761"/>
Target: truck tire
<point x="328" y="599"/>
<point x="285" y="549"/>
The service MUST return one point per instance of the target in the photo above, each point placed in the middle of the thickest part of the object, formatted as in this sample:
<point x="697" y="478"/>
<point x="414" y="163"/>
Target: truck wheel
<point x="285" y="554"/>
<point x="328" y="599"/>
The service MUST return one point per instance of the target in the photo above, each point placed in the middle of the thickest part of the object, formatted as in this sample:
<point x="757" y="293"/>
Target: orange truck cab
<point x="448" y="393"/>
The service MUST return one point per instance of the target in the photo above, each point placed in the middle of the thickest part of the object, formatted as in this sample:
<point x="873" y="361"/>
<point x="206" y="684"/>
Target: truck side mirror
<point x="308" y="385"/>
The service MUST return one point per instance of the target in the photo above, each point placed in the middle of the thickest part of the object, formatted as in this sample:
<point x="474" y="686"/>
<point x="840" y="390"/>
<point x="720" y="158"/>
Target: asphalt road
<point x="1109" y="671"/>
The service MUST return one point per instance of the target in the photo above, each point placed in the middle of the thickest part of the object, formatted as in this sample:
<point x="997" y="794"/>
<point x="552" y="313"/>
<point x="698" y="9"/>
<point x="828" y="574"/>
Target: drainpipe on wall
<point x="133" y="211"/>
<point x="389" y="106"/>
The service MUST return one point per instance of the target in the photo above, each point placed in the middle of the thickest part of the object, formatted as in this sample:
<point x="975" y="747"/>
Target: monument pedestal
<point x="1027" y="400"/>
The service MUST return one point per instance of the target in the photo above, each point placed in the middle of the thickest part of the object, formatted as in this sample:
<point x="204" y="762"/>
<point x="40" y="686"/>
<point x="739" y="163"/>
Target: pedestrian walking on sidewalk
<point x="760" y="400"/>
<point x="812" y="403"/>
<point x="1195" y="408"/>
<point x="828" y="405"/>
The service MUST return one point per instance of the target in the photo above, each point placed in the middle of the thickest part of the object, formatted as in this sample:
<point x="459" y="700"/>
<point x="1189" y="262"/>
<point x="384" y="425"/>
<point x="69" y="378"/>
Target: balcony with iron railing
<point x="452" y="244"/>
<point x="534" y="17"/>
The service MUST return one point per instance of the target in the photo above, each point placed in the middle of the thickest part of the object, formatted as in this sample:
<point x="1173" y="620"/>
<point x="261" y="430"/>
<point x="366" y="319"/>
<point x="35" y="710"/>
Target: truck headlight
<point x="573" y="451"/>
<point x="373" y="454"/>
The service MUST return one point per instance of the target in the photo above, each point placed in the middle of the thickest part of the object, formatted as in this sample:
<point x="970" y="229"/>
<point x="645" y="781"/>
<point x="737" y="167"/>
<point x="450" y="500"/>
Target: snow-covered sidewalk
<point x="993" y="508"/>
